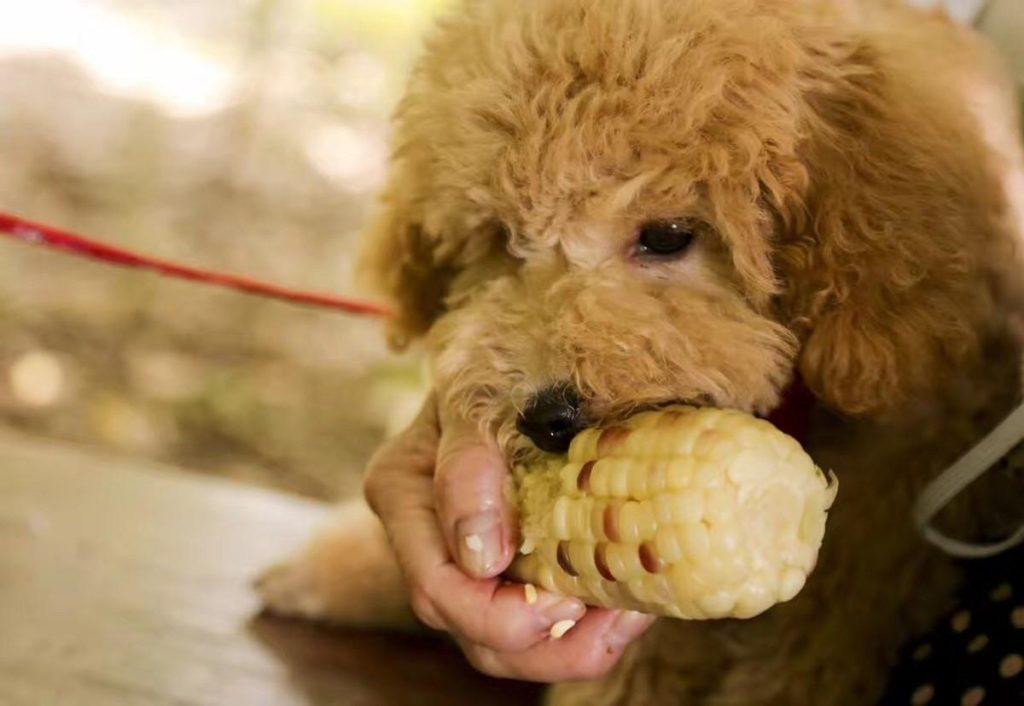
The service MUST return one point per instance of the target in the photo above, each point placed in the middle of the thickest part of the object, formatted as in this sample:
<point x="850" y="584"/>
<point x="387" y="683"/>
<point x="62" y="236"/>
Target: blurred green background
<point x="249" y="136"/>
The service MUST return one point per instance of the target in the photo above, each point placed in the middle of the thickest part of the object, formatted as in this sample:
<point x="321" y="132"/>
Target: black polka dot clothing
<point x="975" y="656"/>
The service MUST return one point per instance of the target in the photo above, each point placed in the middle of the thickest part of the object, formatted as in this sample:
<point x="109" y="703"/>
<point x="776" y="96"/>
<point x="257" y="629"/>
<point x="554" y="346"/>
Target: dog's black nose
<point x="552" y="419"/>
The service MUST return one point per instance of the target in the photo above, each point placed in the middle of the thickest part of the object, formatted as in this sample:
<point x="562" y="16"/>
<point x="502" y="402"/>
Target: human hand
<point x="438" y="488"/>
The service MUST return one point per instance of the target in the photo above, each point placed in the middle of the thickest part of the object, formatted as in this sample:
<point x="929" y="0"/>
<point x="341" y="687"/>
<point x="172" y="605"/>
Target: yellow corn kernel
<point x="596" y="476"/>
<point x="636" y="521"/>
<point x="690" y="513"/>
<point x="667" y="544"/>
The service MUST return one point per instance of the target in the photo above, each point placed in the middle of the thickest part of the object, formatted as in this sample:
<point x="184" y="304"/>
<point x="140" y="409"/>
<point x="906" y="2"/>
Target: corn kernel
<point x="792" y="581"/>
<point x="570" y="475"/>
<point x="718" y="604"/>
<point x="599" y="479"/>
<point x="636" y="522"/>
<point x="719" y="504"/>
<point x="696" y="542"/>
<point x="559" y="629"/>
<point x="560" y="518"/>
<point x="618" y="483"/>
<point x="667" y="542"/>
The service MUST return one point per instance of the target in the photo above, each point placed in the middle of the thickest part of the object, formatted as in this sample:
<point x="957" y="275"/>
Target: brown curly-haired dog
<point x="655" y="200"/>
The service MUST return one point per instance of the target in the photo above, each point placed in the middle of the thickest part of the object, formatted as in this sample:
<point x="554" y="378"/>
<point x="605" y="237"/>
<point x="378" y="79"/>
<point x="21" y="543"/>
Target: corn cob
<point x="685" y="512"/>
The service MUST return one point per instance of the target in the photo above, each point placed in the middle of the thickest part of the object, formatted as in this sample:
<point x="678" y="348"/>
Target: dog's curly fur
<point x="848" y="167"/>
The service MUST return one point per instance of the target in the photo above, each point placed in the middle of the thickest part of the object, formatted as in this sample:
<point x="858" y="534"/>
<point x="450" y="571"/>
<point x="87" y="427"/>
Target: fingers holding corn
<point x="586" y="652"/>
<point x="691" y="513"/>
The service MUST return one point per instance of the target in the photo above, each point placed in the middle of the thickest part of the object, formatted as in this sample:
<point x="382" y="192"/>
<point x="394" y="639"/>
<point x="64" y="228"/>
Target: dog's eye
<point x="665" y="238"/>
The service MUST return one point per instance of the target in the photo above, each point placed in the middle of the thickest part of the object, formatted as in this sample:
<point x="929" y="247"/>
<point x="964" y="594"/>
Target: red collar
<point x="793" y="414"/>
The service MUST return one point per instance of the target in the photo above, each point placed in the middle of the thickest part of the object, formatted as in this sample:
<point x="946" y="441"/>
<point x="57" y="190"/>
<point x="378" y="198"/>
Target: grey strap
<point x="975" y="463"/>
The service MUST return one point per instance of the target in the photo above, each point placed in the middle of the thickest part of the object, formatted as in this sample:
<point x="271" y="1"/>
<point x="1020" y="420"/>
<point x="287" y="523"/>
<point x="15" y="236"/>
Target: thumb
<point x="469" y="487"/>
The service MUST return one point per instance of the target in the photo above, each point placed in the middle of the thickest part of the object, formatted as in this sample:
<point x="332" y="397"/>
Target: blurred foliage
<point x="271" y="176"/>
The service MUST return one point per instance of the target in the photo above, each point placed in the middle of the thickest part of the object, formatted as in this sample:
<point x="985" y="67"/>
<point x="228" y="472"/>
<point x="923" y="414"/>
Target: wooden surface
<point x="123" y="583"/>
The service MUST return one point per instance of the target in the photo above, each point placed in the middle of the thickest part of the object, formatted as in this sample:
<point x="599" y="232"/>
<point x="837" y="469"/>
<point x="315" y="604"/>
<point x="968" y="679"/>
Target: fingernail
<point x="566" y="609"/>
<point x="559" y="629"/>
<point x="554" y="609"/>
<point x="627" y="626"/>
<point x="480" y="542"/>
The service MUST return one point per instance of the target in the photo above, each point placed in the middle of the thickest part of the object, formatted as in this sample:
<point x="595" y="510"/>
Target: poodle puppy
<point x="604" y="206"/>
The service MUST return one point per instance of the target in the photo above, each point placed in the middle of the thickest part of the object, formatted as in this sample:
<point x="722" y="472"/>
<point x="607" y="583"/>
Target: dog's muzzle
<point x="553" y="418"/>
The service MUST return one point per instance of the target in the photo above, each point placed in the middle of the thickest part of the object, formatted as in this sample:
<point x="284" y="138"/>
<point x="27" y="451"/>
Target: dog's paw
<point x="347" y="575"/>
<point x="290" y="589"/>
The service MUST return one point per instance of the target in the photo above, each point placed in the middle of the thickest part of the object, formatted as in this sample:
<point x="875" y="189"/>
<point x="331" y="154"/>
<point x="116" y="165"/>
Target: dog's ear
<point x="882" y="258"/>
<point x="407" y="264"/>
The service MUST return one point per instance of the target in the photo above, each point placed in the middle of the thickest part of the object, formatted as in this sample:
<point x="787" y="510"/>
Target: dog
<point x="609" y="206"/>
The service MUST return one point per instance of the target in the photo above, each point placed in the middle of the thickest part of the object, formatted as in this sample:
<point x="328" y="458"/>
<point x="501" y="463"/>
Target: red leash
<point x="39" y="234"/>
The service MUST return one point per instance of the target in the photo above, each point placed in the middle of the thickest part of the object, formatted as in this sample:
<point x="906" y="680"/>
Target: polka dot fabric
<point x="975" y="656"/>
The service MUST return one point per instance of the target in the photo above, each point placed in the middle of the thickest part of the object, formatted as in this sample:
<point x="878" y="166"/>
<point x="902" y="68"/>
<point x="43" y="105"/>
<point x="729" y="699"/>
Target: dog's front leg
<point x="346" y="575"/>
